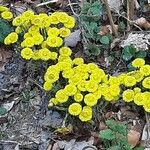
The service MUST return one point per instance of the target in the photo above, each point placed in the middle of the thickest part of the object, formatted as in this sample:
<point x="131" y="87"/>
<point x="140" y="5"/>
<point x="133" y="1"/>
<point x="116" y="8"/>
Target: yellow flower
<point x="45" y="54"/>
<point x="81" y="85"/>
<point x="114" y="90"/>
<point x="3" y="8"/>
<point x="36" y="20"/>
<point x="68" y="73"/>
<point x="78" y="61"/>
<point x="54" y="19"/>
<point x="137" y="75"/>
<point x="109" y="97"/>
<point x="92" y="67"/>
<point x="139" y="99"/>
<point x="90" y="99"/>
<point x="86" y="114"/>
<point x="62" y="17"/>
<point x="29" y="42"/>
<point x="27" y="53"/>
<point x="121" y="78"/>
<point x="137" y="90"/>
<point x="75" y="79"/>
<point x="146" y="83"/>
<point x="129" y="81"/>
<point x="18" y="21"/>
<point x="65" y="51"/>
<point x="18" y="30"/>
<point x="98" y="94"/>
<point x="64" y="65"/>
<point x="34" y="30"/>
<point x="51" y="76"/>
<point x="27" y="35"/>
<point x="11" y="38"/>
<point x="91" y="86"/>
<point x="145" y="70"/>
<point x="147" y="106"/>
<point x="53" y="32"/>
<point x="54" y="41"/>
<point x="28" y="15"/>
<point x="7" y="15"/>
<point x="7" y="41"/>
<point x="96" y="77"/>
<point x="64" y="32"/>
<point x="61" y="96"/>
<point x="38" y="39"/>
<point x="36" y="55"/>
<point x="45" y="21"/>
<point x="54" y="56"/>
<point x="78" y="97"/>
<point x="70" y="89"/>
<point x="70" y="23"/>
<point x="146" y="103"/>
<point x="54" y="101"/>
<point x="47" y="86"/>
<point x="139" y="62"/>
<point x="75" y="109"/>
<point x="114" y="80"/>
<point x="128" y="95"/>
<point x="44" y="44"/>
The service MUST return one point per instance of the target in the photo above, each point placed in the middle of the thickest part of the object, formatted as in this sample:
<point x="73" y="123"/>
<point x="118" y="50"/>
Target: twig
<point x="70" y="4"/>
<point x="110" y="18"/>
<point x="147" y="115"/>
<point x="31" y="80"/>
<point x="45" y="3"/>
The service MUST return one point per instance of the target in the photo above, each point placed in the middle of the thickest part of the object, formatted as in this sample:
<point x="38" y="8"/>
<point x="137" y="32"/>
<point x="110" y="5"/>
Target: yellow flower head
<point x="65" y="51"/>
<point x="90" y="99"/>
<point x="45" y="54"/>
<point x="86" y="114"/>
<point x="75" y="79"/>
<point x="138" y="62"/>
<point x="37" y="21"/>
<point x="18" y="21"/>
<point x="78" y="97"/>
<point x="70" y="23"/>
<point x="27" y="53"/>
<point x="54" y="41"/>
<point x="18" y="30"/>
<point x="44" y="44"/>
<point x="28" y="15"/>
<point x="51" y="76"/>
<point x="146" y="83"/>
<point x="129" y="81"/>
<point x="146" y="103"/>
<point x="7" y="15"/>
<point x="139" y="99"/>
<point x="53" y="32"/>
<point x="114" y="80"/>
<point x="3" y="8"/>
<point x="64" y="32"/>
<point x="96" y="77"/>
<point x="47" y="86"/>
<point x="114" y="90"/>
<point x="128" y="95"/>
<point x="54" y="101"/>
<point x="64" y="65"/>
<point x="75" y="109"/>
<point x="29" y="42"/>
<point x="27" y="35"/>
<point x="91" y="86"/>
<point x="98" y="94"/>
<point x="109" y="97"/>
<point x="36" y="55"/>
<point x="12" y="37"/>
<point x="68" y="73"/>
<point x="54" y="56"/>
<point x="62" y="17"/>
<point x="34" y="30"/>
<point x="121" y="78"/>
<point x="145" y="70"/>
<point x="137" y="90"/>
<point x="137" y="75"/>
<point x="38" y="39"/>
<point x="78" y="61"/>
<point x="81" y="85"/>
<point x="70" y="89"/>
<point x="54" y="18"/>
<point x="92" y="67"/>
<point x="61" y="96"/>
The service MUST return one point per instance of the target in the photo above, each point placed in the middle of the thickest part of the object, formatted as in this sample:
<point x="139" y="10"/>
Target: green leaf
<point x="104" y="40"/>
<point x="92" y="49"/>
<point x="117" y="127"/>
<point x="114" y="148"/>
<point x="3" y="111"/>
<point x="139" y="148"/>
<point x="141" y="54"/>
<point x="107" y="134"/>
<point x="130" y="67"/>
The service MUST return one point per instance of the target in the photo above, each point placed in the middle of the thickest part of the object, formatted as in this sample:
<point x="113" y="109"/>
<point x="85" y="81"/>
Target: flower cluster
<point x="41" y="35"/>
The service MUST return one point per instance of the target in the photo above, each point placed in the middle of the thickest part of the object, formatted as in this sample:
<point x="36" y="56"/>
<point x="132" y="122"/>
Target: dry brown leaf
<point x="107" y="29"/>
<point x="133" y="138"/>
<point x="143" y="23"/>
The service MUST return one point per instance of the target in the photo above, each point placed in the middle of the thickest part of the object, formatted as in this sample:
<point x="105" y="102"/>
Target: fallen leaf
<point x="143" y="23"/>
<point x="115" y="5"/>
<point x="133" y="138"/>
<point x="56" y="147"/>
<point x="107" y="29"/>
<point x="73" y="39"/>
<point x="102" y="125"/>
<point x="8" y="106"/>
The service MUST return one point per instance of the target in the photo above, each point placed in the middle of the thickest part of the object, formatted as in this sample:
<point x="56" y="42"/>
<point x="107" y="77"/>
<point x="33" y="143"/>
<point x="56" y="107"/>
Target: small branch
<point x="147" y="115"/>
<point x="45" y="3"/>
<point x="110" y="18"/>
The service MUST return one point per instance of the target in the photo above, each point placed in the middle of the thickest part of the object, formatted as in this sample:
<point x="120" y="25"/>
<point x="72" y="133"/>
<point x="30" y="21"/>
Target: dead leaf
<point x="107" y="29"/>
<point x="56" y="147"/>
<point x="143" y="23"/>
<point x="133" y="138"/>
<point x="73" y="39"/>
<point x="102" y="125"/>
<point x="115" y="5"/>
<point x="8" y="106"/>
